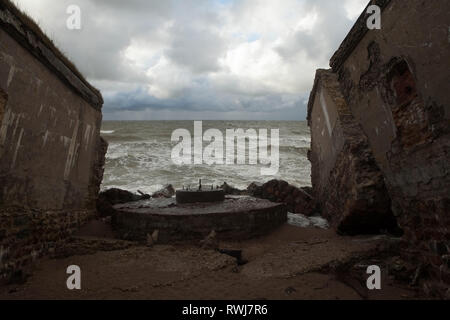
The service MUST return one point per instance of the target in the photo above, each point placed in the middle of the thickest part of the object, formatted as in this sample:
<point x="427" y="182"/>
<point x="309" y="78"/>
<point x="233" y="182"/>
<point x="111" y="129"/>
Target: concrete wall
<point x="395" y="82"/>
<point x="50" y="167"/>
<point x="3" y="100"/>
<point x="347" y="183"/>
<point x="416" y="32"/>
<point x="327" y="138"/>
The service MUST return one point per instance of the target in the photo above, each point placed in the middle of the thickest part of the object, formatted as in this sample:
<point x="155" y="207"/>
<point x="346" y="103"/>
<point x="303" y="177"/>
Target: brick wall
<point x="395" y="82"/>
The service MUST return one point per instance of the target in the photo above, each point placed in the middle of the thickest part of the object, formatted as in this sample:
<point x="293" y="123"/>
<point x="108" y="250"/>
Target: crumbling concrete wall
<point x="395" y="82"/>
<point x="50" y="164"/>
<point x="347" y="183"/>
<point x="3" y="99"/>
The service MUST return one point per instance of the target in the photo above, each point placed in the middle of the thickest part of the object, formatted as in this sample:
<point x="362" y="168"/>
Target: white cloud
<point x="249" y="57"/>
<point x="354" y="8"/>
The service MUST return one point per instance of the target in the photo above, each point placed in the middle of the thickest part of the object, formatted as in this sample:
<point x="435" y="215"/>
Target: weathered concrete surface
<point x="235" y="218"/>
<point x="98" y="170"/>
<point x="109" y="198"/>
<point x="3" y="100"/>
<point x="188" y="196"/>
<point x="347" y="183"/>
<point x="51" y="155"/>
<point x="297" y="200"/>
<point x="395" y="82"/>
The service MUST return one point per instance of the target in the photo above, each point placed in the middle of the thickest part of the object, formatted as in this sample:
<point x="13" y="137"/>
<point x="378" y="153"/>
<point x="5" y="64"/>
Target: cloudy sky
<point x="200" y="59"/>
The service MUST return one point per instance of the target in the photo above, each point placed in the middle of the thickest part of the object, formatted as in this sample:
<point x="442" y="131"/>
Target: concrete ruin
<point x="51" y="153"/>
<point x="235" y="218"/>
<point x="196" y="213"/>
<point x="347" y="182"/>
<point x="380" y="123"/>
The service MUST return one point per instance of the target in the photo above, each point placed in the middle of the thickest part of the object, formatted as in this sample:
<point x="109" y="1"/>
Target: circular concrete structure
<point x="188" y="196"/>
<point x="235" y="218"/>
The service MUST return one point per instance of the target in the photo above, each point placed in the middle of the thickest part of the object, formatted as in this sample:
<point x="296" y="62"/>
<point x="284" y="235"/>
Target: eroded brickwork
<point x="395" y="82"/>
<point x="28" y="234"/>
<point x="415" y="163"/>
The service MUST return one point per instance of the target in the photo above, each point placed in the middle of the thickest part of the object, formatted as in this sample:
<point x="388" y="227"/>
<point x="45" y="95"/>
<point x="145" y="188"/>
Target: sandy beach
<point x="291" y="263"/>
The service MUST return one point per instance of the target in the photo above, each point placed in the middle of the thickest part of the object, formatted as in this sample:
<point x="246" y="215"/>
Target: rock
<point x="282" y="185"/>
<point x="229" y="190"/>
<point x="150" y="241"/>
<point x="297" y="200"/>
<point x="235" y="254"/>
<point x="403" y="271"/>
<point x="107" y="199"/>
<point x="155" y="236"/>
<point x="119" y="196"/>
<point x="308" y="190"/>
<point x="255" y="189"/>
<point x="210" y="242"/>
<point x="167" y="192"/>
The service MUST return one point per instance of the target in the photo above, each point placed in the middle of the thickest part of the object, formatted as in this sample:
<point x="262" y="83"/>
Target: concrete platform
<point x="236" y="218"/>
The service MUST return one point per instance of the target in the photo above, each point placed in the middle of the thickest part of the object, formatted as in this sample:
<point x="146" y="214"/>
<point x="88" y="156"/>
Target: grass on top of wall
<point x="34" y="27"/>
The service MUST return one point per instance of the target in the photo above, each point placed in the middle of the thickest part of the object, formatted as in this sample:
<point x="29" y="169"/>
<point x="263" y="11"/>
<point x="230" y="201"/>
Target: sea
<point x="139" y="156"/>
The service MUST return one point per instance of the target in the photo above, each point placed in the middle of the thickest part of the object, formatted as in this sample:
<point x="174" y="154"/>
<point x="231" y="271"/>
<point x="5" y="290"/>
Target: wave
<point x="294" y="149"/>
<point x="139" y="158"/>
<point x="125" y="138"/>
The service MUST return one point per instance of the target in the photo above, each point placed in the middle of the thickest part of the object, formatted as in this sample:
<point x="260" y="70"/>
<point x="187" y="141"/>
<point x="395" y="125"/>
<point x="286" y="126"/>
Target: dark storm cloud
<point x="221" y="59"/>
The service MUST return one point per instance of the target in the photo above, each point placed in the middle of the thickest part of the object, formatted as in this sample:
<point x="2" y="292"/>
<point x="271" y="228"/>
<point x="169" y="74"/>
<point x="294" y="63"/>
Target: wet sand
<point x="291" y="263"/>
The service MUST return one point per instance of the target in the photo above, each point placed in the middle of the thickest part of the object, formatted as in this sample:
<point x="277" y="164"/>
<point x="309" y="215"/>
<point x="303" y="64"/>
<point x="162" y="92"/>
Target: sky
<point x="200" y="59"/>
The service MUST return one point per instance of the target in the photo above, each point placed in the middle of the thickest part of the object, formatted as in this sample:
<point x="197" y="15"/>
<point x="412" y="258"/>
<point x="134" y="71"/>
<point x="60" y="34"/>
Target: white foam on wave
<point x="139" y="157"/>
<point x="116" y="151"/>
<point x="302" y="221"/>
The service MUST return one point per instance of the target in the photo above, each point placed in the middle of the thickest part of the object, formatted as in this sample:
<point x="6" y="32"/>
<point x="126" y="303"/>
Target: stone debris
<point x="230" y="190"/>
<point x="111" y="197"/>
<point x="152" y="239"/>
<point x="296" y="199"/>
<point x="210" y="242"/>
<point x="155" y="236"/>
<point x="82" y="245"/>
<point x="255" y="189"/>
<point x="167" y="192"/>
<point x="235" y="254"/>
